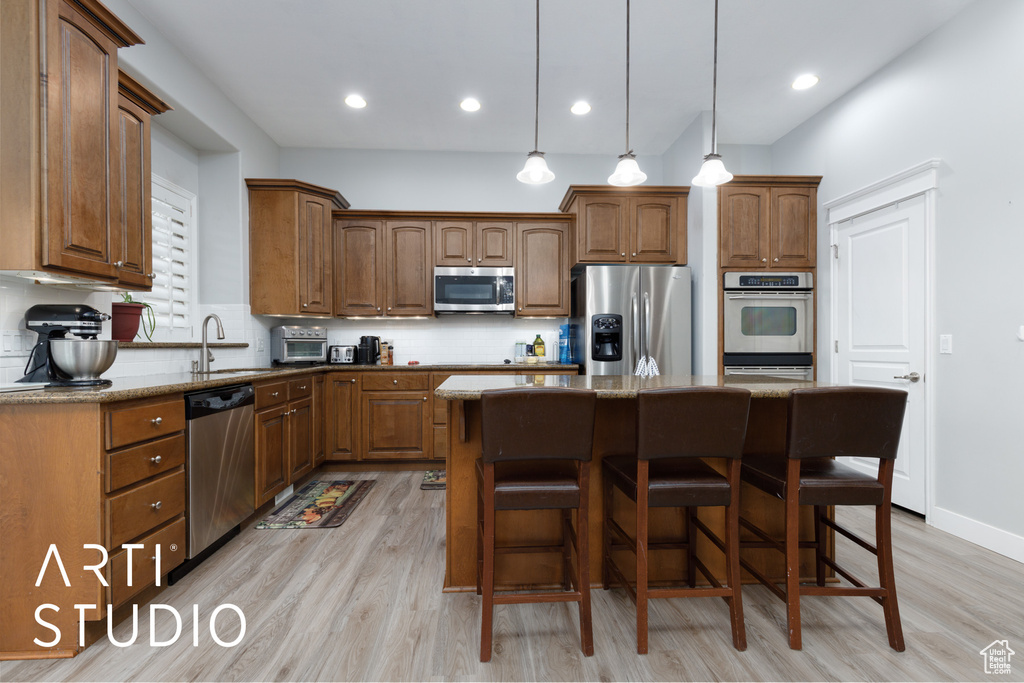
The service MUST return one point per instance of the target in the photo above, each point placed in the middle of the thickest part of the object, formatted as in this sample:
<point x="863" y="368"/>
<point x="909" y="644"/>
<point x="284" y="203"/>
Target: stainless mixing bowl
<point x="83" y="358"/>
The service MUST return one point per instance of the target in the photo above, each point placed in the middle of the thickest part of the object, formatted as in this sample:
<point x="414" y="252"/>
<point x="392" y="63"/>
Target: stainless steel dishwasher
<point x="221" y="468"/>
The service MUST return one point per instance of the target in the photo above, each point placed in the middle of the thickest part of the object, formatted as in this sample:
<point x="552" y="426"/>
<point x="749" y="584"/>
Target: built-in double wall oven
<point x="768" y="321"/>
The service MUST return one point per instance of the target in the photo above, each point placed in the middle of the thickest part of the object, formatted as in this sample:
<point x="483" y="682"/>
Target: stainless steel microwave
<point x="474" y="290"/>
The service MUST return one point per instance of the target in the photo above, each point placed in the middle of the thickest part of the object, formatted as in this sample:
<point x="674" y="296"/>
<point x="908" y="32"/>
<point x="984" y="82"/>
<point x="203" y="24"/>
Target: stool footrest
<point x="522" y="598"/>
<point x="703" y="591"/>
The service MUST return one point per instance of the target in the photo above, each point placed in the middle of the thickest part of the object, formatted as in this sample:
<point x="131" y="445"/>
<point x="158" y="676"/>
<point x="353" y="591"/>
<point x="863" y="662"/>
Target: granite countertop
<point x="468" y="388"/>
<point x="170" y="383"/>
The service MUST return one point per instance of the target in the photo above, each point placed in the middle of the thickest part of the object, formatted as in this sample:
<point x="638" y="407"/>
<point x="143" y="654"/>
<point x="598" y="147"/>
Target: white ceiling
<point x="289" y="65"/>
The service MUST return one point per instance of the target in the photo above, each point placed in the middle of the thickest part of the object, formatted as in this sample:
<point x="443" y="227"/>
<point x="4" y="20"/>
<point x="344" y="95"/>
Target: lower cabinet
<point x="341" y="416"/>
<point x="287" y="427"/>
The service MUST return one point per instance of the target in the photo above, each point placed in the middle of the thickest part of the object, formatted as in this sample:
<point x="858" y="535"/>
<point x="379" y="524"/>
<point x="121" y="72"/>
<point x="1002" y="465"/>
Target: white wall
<point x="955" y="96"/>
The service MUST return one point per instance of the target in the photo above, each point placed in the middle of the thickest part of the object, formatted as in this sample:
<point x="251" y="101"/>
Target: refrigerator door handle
<point x="647" y="324"/>
<point x="636" y="333"/>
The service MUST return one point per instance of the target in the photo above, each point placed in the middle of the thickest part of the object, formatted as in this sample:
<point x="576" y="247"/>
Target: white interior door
<point x="880" y="325"/>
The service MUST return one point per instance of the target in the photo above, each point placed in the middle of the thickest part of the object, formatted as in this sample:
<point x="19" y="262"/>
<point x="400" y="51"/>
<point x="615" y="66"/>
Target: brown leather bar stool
<point x="536" y="447"/>
<point x="825" y="422"/>
<point x="676" y="428"/>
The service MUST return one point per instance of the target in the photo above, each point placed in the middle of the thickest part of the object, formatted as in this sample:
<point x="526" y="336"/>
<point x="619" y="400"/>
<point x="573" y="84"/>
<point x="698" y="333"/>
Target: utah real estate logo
<point x="997" y="657"/>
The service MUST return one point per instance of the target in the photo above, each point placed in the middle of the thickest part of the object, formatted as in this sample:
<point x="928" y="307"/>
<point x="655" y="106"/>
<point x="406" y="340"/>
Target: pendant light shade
<point x="712" y="171"/>
<point x="536" y="171"/>
<point x="627" y="171"/>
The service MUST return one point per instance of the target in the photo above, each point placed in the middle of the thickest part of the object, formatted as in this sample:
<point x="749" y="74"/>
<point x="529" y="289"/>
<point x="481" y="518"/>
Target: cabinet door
<point x="653" y="230"/>
<point x="359" y="260"/>
<point x="318" y="420"/>
<point x="135" y="236"/>
<point x="494" y="244"/>
<point x="453" y="243"/>
<point x="542" y="273"/>
<point x="83" y="189"/>
<point x="793" y="227"/>
<point x="341" y="416"/>
<point x="743" y="216"/>
<point x="396" y="425"/>
<point x="271" y="453"/>
<point x="407" y="267"/>
<point x="314" y="254"/>
<point x="300" y="438"/>
<point x="602" y="230"/>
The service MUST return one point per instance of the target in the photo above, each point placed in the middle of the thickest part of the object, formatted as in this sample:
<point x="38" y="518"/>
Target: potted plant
<point x="128" y="315"/>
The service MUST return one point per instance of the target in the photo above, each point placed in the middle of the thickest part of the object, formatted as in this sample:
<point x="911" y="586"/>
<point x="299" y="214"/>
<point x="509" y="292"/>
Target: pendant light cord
<point x="714" y="90"/>
<point x="627" y="76"/>
<point x="536" y="81"/>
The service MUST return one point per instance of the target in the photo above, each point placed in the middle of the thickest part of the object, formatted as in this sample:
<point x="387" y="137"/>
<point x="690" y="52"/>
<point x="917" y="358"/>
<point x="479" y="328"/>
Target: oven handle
<point x="771" y="295"/>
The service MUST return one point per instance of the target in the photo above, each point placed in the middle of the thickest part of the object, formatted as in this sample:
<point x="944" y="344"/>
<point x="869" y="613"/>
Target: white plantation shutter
<point x="172" y="297"/>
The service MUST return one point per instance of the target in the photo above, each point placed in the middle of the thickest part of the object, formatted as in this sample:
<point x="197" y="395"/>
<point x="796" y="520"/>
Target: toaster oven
<point x="296" y="345"/>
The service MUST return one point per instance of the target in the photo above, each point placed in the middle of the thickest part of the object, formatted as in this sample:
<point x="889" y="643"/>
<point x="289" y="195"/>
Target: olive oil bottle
<point x="538" y="347"/>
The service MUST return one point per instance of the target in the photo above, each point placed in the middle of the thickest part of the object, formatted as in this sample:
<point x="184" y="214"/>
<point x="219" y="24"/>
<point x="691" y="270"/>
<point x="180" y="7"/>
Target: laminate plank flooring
<point x="364" y="602"/>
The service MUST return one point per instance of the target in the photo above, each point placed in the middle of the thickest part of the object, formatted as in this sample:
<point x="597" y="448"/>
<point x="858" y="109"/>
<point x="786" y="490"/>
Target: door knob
<point x="913" y="377"/>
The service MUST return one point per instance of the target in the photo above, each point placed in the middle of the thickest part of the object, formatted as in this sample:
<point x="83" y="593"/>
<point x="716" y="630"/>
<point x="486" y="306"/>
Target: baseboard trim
<point x="987" y="536"/>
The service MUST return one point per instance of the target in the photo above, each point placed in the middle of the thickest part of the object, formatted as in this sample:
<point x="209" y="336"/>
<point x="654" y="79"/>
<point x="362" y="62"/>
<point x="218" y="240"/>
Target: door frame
<point x="921" y="179"/>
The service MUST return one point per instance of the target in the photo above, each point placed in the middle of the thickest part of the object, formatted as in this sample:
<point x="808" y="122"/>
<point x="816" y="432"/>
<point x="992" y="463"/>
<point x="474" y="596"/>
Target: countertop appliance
<point x="768" y="323"/>
<point x="625" y="314"/>
<point x="368" y="351"/>
<point x="56" y="321"/>
<point x="221" y="468"/>
<point x="474" y="290"/>
<point x="342" y="354"/>
<point x="298" y="345"/>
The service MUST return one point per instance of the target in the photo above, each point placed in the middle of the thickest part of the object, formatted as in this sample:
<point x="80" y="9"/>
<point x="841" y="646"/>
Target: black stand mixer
<point x="55" y="321"/>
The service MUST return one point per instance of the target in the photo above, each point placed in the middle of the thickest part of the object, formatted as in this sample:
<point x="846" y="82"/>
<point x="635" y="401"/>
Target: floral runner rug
<point x="434" y="479"/>
<point x="318" y="505"/>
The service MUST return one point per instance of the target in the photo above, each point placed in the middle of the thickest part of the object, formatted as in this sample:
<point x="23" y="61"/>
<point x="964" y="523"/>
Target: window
<point x="174" y="281"/>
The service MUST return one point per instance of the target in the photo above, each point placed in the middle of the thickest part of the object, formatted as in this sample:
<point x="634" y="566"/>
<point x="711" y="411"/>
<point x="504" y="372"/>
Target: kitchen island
<point x="614" y="432"/>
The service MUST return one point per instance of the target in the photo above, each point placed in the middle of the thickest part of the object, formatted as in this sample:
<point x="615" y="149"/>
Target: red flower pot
<point x="124" y="321"/>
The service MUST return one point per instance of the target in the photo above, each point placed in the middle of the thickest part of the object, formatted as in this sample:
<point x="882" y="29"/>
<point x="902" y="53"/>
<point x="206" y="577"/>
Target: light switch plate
<point x="945" y="343"/>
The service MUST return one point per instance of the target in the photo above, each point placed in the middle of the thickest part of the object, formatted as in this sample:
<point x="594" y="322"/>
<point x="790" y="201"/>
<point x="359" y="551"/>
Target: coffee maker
<point x="55" y="321"/>
<point x="368" y="351"/>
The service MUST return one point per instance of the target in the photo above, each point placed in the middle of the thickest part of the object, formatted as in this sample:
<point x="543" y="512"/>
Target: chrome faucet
<point x="205" y="355"/>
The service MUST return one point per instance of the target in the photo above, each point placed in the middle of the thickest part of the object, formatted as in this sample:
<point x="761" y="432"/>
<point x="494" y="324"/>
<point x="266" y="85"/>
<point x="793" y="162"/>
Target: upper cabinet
<point x="290" y="255"/>
<point x="473" y="243"/>
<point x="627" y="225"/>
<point x="62" y="197"/>
<point x="383" y="267"/>
<point x="542" y="268"/>
<point x="136" y="106"/>
<point x="768" y="222"/>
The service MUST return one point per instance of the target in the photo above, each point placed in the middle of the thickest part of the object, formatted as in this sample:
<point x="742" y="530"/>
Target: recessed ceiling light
<point x="470" y="104"/>
<point x="580" y="108"/>
<point x="355" y="101"/>
<point x="805" y="81"/>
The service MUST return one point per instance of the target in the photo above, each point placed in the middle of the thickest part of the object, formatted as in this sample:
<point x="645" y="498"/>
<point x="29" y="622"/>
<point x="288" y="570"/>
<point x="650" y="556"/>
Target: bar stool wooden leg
<point x="567" y="550"/>
<point x="487" y="622"/>
<point x="606" y="537"/>
<point x="641" y="557"/>
<point x="793" y="556"/>
<point x="886" y="573"/>
<point x="583" y="561"/>
<point x="820" y="535"/>
<point x="691" y="546"/>
<point x="479" y="542"/>
<point x="732" y="558"/>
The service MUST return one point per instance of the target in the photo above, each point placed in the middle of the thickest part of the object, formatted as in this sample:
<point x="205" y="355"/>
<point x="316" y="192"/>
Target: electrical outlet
<point x="259" y="344"/>
<point x="946" y="343"/>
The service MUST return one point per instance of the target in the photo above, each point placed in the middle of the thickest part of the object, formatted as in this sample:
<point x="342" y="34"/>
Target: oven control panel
<point x="768" y="281"/>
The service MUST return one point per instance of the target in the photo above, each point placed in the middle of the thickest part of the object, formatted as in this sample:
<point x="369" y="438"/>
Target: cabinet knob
<point x="156" y="460"/>
<point x="274" y="395"/>
<point x="470" y="260"/>
<point x="622" y="254"/>
<point x="305" y="305"/>
<point x="479" y="260"/>
<point x="293" y="411"/>
<point x="157" y="505"/>
<point x="394" y="381"/>
<point x="776" y="259"/>
<point x="353" y="380"/>
<point x="389" y="308"/>
<point x="150" y="275"/>
<point x="119" y="263"/>
<point x="157" y="420"/>
<point x="424" y="398"/>
<point x="520" y="308"/>
<point x="634" y="253"/>
<point x="764" y="260"/>
<point x="303" y="387"/>
<point x="378" y="308"/>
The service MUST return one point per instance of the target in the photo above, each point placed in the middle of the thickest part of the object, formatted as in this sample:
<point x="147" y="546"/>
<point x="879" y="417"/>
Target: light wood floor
<point x="364" y="602"/>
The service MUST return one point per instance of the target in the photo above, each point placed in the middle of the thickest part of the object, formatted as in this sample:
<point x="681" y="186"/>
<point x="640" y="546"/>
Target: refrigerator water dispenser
<point x="607" y="336"/>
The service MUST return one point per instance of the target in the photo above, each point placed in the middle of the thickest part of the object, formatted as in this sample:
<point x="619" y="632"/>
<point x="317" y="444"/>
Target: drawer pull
<point x="302" y="387"/>
<point x="274" y="395"/>
<point x="353" y="380"/>
<point x="156" y="460"/>
<point x="394" y="381"/>
<point x="157" y="420"/>
<point x="424" y="398"/>
<point x="157" y="505"/>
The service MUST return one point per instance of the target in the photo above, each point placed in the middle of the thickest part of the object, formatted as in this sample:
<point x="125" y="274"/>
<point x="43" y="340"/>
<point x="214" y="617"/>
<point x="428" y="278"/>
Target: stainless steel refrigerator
<point x="626" y="313"/>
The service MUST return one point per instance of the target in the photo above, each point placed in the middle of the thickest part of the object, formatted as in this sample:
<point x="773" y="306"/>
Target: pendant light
<point x="627" y="171"/>
<point x="712" y="172"/>
<point x="536" y="171"/>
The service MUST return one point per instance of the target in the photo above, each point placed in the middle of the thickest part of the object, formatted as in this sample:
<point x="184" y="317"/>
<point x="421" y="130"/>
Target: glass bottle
<point x="538" y="347"/>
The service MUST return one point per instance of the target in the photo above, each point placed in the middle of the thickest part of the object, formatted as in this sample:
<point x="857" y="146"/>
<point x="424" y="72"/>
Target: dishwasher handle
<point x="203" y="403"/>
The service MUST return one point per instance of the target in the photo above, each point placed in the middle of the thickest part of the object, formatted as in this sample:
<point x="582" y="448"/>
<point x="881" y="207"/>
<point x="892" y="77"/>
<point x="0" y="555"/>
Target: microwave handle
<point x="771" y="296"/>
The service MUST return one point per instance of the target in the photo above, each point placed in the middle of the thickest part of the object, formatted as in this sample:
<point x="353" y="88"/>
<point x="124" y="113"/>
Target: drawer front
<point x="141" y="462"/>
<point x="144" y="562"/>
<point x="300" y="388"/>
<point x="138" y="510"/>
<point x="395" y="381"/>
<point x="271" y="394"/>
<point x="134" y="423"/>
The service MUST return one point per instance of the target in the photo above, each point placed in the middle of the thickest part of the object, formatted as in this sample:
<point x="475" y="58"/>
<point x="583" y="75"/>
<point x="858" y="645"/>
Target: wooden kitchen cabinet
<point x="409" y="277"/>
<point x="290" y="254"/>
<point x="397" y="422"/>
<point x="341" y="416"/>
<point x="272" y="456"/>
<point x="285" y="424"/>
<point x="768" y="222"/>
<point x="319" y="454"/>
<point x="359" y="273"/>
<point x="136" y="108"/>
<point x="486" y="244"/>
<point x="542" y="269"/>
<point x="61" y="196"/>
<point x="627" y="225"/>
